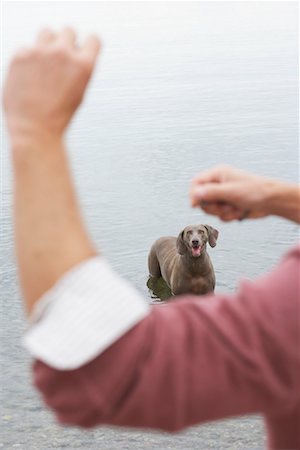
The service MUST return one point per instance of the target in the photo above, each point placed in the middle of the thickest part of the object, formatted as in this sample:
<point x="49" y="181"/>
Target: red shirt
<point x="193" y="360"/>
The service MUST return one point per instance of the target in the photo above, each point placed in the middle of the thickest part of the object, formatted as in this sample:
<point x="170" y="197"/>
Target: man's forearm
<point x="50" y="235"/>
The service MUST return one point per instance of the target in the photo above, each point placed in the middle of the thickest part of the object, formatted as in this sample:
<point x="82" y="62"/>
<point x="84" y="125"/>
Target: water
<point x="180" y="87"/>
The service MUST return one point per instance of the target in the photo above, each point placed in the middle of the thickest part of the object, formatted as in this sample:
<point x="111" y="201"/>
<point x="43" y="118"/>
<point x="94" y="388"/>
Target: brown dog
<point x="184" y="262"/>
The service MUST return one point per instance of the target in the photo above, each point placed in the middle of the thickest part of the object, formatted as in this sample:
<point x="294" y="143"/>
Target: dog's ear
<point x="181" y="247"/>
<point x="212" y="235"/>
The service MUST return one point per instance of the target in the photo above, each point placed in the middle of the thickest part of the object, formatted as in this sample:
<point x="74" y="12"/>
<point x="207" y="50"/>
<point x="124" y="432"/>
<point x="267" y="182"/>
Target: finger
<point x="45" y="36"/>
<point x="22" y="53"/>
<point x="229" y="212"/>
<point x="90" y="49"/>
<point x="220" y="208"/>
<point x="251" y="214"/>
<point x="227" y="209"/>
<point x="244" y="214"/>
<point x="211" y="208"/>
<point x="223" y="211"/>
<point x="213" y="192"/>
<point x="208" y="176"/>
<point x="67" y="37"/>
<point x="220" y="174"/>
<point x="215" y="175"/>
<point x="227" y="217"/>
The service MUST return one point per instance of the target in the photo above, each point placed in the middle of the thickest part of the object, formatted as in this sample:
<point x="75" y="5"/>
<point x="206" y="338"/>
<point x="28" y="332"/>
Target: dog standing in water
<point x="183" y="262"/>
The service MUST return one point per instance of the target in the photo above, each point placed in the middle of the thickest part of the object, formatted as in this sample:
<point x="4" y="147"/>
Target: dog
<point x="183" y="262"/>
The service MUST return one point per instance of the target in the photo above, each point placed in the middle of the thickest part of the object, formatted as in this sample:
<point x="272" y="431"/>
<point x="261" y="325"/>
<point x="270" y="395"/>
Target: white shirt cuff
<point x="87" y="310"/>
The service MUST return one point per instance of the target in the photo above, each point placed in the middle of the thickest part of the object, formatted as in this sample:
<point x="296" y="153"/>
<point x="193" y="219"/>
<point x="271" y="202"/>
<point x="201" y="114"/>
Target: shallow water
<point x="181" y="87"/>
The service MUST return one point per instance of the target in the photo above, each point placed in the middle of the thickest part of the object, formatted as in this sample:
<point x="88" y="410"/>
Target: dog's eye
<point x="201" y="231"/>
<point x="189" y="232"/>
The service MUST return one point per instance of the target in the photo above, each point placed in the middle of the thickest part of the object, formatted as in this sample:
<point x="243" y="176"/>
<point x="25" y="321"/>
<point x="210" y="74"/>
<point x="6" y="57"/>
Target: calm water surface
<point x="180" y="87"/>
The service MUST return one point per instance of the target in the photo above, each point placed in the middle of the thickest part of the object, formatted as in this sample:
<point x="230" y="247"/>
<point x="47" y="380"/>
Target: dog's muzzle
<point x="196" y="248"/>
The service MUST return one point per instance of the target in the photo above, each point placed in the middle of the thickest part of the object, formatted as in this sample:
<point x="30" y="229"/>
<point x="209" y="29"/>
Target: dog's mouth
<point x="196" y="251"/>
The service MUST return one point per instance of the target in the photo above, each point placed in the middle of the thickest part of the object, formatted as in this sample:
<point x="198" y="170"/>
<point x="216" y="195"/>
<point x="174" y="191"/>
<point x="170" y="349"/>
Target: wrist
<point x="269" y="196"/>
<point x="35" y="139"/>
<point x="283" y="199"/>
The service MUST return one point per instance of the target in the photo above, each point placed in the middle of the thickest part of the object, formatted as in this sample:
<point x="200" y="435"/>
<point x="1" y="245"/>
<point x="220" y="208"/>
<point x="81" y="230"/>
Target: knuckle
<point x="21" y="54"/>
<point x="25" y="54"/>
<point x="60" y="53"/>
<point x="85" y="66"/>
<point x="223" y="167"/>
<point x="69" y="30"/>
<point x="45" y="32"/>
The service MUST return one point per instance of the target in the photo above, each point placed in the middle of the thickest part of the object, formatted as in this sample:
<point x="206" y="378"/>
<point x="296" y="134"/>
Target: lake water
<point x="179" y="88"/>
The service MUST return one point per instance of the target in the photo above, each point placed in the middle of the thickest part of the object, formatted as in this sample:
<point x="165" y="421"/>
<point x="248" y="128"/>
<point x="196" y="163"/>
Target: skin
<point x="233" y="194"/>
<point x="50" y="236"/>
<point x="39" y="103"/>
<point x="183" y="262"/>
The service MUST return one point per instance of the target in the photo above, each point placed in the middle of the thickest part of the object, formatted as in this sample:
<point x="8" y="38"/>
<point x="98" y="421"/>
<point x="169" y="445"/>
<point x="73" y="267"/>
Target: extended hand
<point x="46" y="83"/>
<point x="233" y="194"/>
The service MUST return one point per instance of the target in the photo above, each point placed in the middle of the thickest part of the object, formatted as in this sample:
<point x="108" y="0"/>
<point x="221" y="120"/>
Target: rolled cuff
<point x="87" y="310"/>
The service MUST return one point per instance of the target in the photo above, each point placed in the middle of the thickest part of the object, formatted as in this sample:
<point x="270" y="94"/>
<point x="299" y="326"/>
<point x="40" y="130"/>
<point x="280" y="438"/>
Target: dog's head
<point x="193" y="238"/>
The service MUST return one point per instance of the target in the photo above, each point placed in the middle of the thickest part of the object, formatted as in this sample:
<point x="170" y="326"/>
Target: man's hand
<point x="46" y="83"/>
<point x="233" y="194"/>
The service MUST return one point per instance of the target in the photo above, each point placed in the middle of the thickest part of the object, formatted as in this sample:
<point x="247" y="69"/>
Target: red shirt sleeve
<point x="193" y="360"/>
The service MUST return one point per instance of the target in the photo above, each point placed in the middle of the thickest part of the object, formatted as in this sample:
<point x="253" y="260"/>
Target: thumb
<point x="213" y="192"/>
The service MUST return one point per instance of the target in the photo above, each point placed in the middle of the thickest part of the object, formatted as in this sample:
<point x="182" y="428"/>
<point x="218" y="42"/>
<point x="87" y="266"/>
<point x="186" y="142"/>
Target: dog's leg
<point x="153" y="264"/>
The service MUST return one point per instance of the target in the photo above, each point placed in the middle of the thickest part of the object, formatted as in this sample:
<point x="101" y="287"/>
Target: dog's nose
<point x="195" y="242"/>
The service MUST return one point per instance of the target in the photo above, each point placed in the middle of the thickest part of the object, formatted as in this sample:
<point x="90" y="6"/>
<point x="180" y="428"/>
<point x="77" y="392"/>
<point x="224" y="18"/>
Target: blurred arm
<point x="50" y="235"/>
<point x="44" y="86"/>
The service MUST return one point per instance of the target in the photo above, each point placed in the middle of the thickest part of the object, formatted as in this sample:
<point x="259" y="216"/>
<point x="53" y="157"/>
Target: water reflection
<point x="158" y="290"/>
